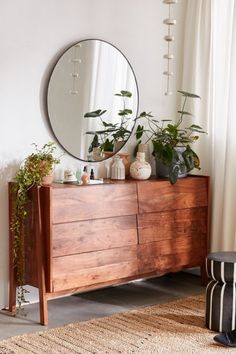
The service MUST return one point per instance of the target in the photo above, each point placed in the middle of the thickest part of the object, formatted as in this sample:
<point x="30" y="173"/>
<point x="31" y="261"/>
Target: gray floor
<point x="102" y="302"/>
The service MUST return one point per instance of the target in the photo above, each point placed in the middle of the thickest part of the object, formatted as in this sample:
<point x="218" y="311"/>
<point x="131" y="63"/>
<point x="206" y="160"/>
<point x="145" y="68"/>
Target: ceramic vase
<point x="140" y="169"/>
<point x="117" y="168"/>
<point x="126" y="161"/>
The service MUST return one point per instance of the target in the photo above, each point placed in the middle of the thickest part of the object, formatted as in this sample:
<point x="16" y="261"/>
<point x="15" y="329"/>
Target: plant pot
<point x="163" y="170"/>
<point x="47" y="179"/>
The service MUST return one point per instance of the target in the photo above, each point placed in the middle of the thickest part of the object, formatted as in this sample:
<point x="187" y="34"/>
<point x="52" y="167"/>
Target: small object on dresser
<point x="69" y="176"/>
<point x="85" y="176"/>
<point x="118" y="168"/>
<point x="140" y="169"/>
<point x="78" y="174"/>
<point x="92" y="174"/>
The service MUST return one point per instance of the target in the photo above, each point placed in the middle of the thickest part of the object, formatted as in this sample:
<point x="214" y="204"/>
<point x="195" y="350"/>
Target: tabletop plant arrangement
<point x="110" y="133"/>
<point x="172" y="141"/>
<point x="34" y="169"/>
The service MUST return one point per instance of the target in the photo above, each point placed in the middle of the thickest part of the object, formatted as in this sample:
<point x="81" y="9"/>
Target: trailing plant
<point x="167" y="135"/>
<point x="109" y="133"/>
<point x="36" y="166"/>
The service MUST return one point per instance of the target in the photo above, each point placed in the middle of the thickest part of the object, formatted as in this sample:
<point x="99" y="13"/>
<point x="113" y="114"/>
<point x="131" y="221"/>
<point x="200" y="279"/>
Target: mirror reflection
<point x="92" y="100"/>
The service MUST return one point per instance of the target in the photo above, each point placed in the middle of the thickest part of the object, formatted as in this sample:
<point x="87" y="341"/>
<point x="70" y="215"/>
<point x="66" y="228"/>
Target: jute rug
<point x="174" y="327"/>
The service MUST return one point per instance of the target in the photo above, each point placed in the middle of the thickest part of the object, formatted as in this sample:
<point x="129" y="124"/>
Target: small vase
<point x="117" y="168"/>
<point x="126" y="161"/>
<point x="140" y="169"/>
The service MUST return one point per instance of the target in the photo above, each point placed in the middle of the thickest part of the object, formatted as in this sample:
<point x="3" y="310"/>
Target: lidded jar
<point x="117" y="168"/>
<point x="140" y="169"/>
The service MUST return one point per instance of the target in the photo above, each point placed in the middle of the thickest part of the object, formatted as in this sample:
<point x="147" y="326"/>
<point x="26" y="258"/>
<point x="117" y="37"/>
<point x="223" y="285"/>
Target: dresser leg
<point x="43" y="308"/>
<point x="12" y="295"/>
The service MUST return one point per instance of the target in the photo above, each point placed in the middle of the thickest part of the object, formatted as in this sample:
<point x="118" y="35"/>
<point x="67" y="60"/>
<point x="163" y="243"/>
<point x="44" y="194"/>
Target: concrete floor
<point x="102" y="302"/>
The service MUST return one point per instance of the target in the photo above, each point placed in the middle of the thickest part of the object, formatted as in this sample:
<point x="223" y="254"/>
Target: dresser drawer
<point x="161" y="195"/>
<point x="93" y="235"/>
<point x="169" y="254"/>
<point x="93" y="202"/>
<point x="91" y="268"/>
<point x="172" y="224"/>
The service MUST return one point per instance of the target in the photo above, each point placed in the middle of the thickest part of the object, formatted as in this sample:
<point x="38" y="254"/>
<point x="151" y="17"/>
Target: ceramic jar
<point x="126" y="161"/>
<point x="117" y="168"/>
<point x="140" y="169"/>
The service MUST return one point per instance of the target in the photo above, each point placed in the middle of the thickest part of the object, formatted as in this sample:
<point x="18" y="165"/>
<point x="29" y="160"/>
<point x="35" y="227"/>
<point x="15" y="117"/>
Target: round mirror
<point x="92" y="100"/>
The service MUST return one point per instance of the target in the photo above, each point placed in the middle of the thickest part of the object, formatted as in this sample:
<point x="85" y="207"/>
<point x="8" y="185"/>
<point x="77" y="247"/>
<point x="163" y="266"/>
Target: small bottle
<point x="85" y="176"/>
<point x="92" y="174"/>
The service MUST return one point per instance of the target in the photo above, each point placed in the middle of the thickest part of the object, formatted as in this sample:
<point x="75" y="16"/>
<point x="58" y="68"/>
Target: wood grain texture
<point x="172" y="224"/>
<point x="186" y="193"/>
<point x="96" y="236"/>
<point x="84" y="203"/>
<point x="93" y="235"/>
<point x="151" y="254"/>
<point x="46" y="215"/>
<point x="94" y="267"/>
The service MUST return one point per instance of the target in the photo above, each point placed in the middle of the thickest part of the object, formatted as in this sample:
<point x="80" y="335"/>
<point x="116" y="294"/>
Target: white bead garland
<point x="169" y="38"/>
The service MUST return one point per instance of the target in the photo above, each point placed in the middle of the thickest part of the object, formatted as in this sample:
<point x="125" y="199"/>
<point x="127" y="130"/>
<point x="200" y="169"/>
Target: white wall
<point x="33" y="33"/>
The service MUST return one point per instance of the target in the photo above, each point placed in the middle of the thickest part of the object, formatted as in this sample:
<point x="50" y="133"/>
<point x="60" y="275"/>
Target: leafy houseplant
<point x="35" y="167"/>
<point x="168" y="137"/>
<point x="110" y="133"/>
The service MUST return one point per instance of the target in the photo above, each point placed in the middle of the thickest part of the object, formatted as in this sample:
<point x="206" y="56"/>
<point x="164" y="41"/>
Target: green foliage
<point x="36" y="166"/>
<point x="167" y="135"/>
<point x="112" y="132"/>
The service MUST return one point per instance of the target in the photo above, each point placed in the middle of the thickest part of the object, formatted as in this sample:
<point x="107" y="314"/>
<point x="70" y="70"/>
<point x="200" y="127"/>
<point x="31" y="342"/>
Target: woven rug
<point x="174" y="327"/>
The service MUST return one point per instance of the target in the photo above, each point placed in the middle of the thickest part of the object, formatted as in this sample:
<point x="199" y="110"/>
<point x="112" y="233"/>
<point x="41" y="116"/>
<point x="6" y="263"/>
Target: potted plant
<point x="33" y="171"/>
<point x="112" y="136"/>
<point x="172" y="142"/>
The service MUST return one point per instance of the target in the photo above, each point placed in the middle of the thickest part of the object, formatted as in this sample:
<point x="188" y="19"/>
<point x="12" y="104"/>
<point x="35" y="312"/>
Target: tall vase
<point x="140" y="169"/>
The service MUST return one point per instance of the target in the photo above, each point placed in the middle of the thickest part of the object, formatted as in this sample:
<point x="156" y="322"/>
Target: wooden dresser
<point x="86" y="237"/>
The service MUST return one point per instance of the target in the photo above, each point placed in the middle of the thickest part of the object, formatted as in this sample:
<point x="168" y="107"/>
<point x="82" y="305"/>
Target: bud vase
<point x="117" y="168"/>
<point x="140" y="169"/>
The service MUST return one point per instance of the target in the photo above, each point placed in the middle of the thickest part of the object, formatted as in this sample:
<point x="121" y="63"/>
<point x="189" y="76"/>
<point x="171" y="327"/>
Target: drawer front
<point x="161" y="195"/>
<point x="171" y="254"/>
<point x="172" y="224"/>
<point x="93" y="235"/>
<point x="90" y="268"/>
<point x="93" y="202"/>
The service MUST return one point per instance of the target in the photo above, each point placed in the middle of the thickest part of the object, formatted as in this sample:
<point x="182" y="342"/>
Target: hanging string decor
<point x="76" y="61"/>
<point x="169" y="22"/>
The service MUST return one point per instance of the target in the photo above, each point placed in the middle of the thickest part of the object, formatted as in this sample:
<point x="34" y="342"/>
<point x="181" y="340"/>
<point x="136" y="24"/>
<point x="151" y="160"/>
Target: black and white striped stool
<point x="221" y="292"/>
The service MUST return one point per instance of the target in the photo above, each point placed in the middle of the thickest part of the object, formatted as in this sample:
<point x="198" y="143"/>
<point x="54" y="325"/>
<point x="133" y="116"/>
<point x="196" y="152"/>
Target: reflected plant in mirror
<point x="111" y="136"/>
<point x="85" y="78"/>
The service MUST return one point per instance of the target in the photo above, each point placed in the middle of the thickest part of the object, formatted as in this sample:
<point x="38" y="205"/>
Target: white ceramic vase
<point x="140" y="169"/>
<point x="117" y="168"/>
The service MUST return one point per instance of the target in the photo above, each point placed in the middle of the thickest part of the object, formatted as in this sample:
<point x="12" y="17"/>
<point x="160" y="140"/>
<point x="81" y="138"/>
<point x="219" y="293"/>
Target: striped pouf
<point x="220" y="292"/>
